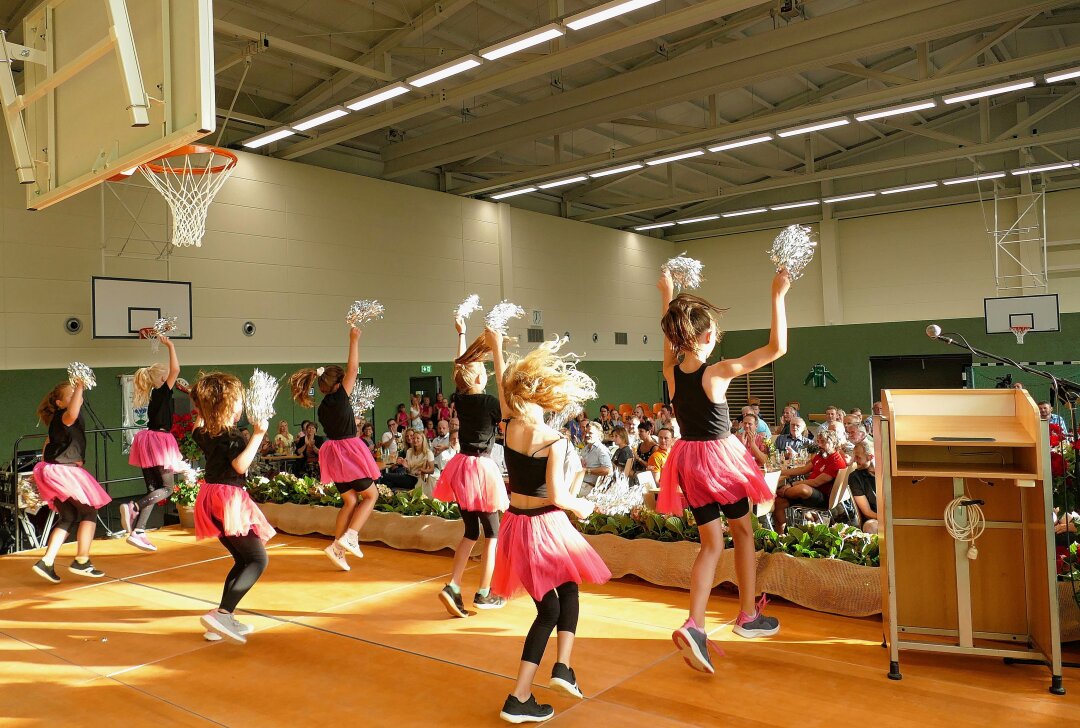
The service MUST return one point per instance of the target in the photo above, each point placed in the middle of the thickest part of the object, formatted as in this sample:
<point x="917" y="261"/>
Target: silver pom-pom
<point x="79" y="372"/>
<point x="558" y="420"/>
<point x="259" y="397"/>
<point x="164" y="326"/>
<point x="29" y="499"/>
<point x="468" y="307"/>
<point x="793" y="249"/>
<point x="618" y="497"/>
<point x="500" y="314"/>
<point x="360" y="312"/>
<point x="363" y="398"/>
<point x="685" y="272"/>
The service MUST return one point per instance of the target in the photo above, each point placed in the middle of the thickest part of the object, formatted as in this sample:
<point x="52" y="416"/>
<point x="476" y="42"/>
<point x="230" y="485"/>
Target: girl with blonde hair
<point x="154" y="449"/>
<point x="344" y="459"/>
<point x="709" y="467"/>
<point x="539" y="550"/>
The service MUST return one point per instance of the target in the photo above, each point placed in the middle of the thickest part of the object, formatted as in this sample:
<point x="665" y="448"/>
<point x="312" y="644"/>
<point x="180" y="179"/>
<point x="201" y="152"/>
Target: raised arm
<point x="174" y="363"/>
<point x="462" y="343"/>
<point x="667" y="292"/>
<point x="777" y="346"/>
<point x="559" y="487"/>
<point x="74" y="405"/>
<point x="353" y="365"/>
<point x="495" y="343"/>
<point x="243" y="461"/>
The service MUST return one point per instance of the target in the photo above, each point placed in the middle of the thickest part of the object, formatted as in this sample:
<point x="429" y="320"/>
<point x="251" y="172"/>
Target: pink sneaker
<point x="128" y="511"/>
<point x="139" y="540"/>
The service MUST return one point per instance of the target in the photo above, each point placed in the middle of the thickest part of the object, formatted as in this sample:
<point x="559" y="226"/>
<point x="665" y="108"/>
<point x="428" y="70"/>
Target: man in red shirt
<point x="820" y="472"/>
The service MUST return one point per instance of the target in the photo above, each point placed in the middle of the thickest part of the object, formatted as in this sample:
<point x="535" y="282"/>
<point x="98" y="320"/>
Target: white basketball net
<point x="188" y="186"/>
<point x="1019" y="332"/>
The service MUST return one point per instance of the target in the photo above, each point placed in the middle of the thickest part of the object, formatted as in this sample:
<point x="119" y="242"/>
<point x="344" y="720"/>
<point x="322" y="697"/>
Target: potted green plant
<point x="185" y="491"/>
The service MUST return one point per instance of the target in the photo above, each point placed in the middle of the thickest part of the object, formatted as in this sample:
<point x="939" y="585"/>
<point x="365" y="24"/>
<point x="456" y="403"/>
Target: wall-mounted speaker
<point x="73" y="325"/>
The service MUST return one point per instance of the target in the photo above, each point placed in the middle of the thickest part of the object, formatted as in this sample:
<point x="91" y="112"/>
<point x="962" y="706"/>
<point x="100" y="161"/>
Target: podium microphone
<point x="934" y="332"/>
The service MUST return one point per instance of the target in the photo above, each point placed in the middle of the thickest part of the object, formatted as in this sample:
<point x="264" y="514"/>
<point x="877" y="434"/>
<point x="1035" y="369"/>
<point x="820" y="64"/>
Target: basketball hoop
<point x="1019" y="331"/>
<point x="188" y="178"/>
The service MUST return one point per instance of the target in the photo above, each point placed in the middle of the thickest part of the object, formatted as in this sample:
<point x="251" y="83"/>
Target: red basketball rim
<point x="189" y="149"/>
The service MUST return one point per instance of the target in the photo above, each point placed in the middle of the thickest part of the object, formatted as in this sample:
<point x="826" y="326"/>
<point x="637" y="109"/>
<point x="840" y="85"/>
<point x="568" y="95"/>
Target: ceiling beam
<point x="922" y="130"/>
<point x="983" y="45"/>
<point x="852" y="69"/>
<point x="661" y="125"/>
<point x="293" y="22"/>
<point x="1041" y="114"/>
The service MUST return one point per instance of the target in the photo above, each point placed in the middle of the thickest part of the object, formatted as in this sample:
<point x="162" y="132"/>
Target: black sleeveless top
<point x="159" y="412"/>
<point x="220" y="451"/>
<point x="478" y="414"/>
<point x="67" y="444"/>
<point x="700" y="419"/>
<point x="336" y="415"/>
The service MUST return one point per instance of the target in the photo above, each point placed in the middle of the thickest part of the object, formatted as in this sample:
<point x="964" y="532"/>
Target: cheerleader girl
<point x="154" y="449"/>
<point x="710" y="469"/>
<point x="223" y="509"/>
<point x="539" y="550"/>
<point x="471" y="477"/>
<point x="344" y="459"/>
<point x="72" y="492"/>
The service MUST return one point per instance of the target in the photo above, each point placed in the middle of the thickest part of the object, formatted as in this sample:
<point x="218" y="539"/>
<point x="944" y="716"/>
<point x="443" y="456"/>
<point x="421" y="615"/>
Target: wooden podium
<point x="932" y="446"/>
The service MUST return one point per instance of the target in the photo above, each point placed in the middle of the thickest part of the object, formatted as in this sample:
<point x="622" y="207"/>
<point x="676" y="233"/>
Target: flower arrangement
<point x="182" y="427"/>
<point x="186" y="488"/>
<point x="288" y="488"/>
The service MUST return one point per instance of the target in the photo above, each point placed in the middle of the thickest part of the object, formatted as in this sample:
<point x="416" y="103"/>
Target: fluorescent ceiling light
<point x="451" y="68"/>
<point x="1062" y="75"/>
<point x="377" y="96"/>
<point x="908" y="188"/>
<point x="513" y="193"/>
<point x="321" y="118"/>
<point x="793" y="205"/>
<point x="561" y="182"/>
<point x="1044" y="168"/>
<point x="893" y="110"/>
<point x="674" y="157"/>
<point x="607" y="11"/>
<point x="690" y="220"/>
<point x="845" y="198"/>
<point x="741" y="143"/>
<point x="740" y="213"/>
<point x="973" y="178"/>
<point x="989" y="91"/>
<point x="523" y="41"/>
<point x="271" y="136"/>
<point x="654" y="226"/>
<point x="616" y="170"/>
<point x="793" y="131"/>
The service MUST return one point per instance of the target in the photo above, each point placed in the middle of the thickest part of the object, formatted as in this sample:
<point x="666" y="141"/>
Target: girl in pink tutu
<point x="539" y="550"/>
<point x="223" y="509"/>
<point x="709" y="467"/>
<point x="154" y="449"/>
<point x="471" y="477"/>
<point x="344" y="459"/>
<point x="64" y="484"/>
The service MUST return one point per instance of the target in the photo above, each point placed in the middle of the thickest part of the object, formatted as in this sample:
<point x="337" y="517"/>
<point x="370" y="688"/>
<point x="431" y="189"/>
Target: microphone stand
<point x="100" y="426"/>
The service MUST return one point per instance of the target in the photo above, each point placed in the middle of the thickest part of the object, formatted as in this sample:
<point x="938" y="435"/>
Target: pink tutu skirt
<point x="151" y="448"/>
<point x="475" y="483"/>
<point x="56" y="482"/>
<point x="227" y="510"/>
<point x="711" y="471"/>
<point x="537" y="553"/>
<point x="343" y="461"/>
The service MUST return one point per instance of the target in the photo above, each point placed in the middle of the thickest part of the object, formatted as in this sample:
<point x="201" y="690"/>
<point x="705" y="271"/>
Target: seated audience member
<point x="642" y="415"/>
<point x="455" y="424"/>
<point x="763" y="426"/>
<point x="820" y="473"/>
<point x="622" y="460"/>
<point x="666" y="418"/>
<point x="832" y="414"/>
<point x="367" y="434"/>
<point x="387" y="451"/>
<point x="402" y="417"/>
<point x="429" y="430"/>
<point x="631" y="426"/>
<point x="573" y="430"/>
<point x="754" y="441"/>
<point x="307" y="446"/>
<point x="595" y="459"/>
<point x="794" y="439"/>
<point x="878" y="409"/>
<point x="645" y="448"/>
<point x="1046" y="411"/>
<point x="759" y="426"/>
<point x="864" y="487"/>
<point x="396" y="473"/>
<point x="665" y="438"/>
<point x="854" y="433"/>
<point x="442" y="408"/>
<point x="394" y="431"/>
<point x="283" y="440"/>
<point x="786" y="417"/>
<point x="442" y="458"/>
<point x="420" y="462"/>
<point x="427" y="412"/>
<point x="441" y="441"/>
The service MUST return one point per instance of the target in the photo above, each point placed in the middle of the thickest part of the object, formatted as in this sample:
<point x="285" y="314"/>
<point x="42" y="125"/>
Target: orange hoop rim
<point x="189" y="149"/>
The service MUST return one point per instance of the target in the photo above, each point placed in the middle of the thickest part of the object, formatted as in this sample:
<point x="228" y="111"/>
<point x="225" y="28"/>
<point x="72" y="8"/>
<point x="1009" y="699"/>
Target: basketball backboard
<point x="108" y="85"/>
<point x="1039" y="313"/>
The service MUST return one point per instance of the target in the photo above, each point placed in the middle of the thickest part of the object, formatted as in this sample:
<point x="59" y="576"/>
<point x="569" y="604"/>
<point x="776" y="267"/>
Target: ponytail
<point x="466" y="375"/>
<point x="144" y="382"/>
<point x="688" y="317"/>
<point x="301" y="382"/>
<point x="48" y="409"/>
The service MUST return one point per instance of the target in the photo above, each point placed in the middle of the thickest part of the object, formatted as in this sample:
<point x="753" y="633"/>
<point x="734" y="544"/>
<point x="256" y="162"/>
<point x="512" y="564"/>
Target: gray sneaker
<point x="244" y="629"/>
<point x="757" y="625"/>
<point x="225" y="625"/>
<point x="491" y="601"/>
<point x="693" y="643"/>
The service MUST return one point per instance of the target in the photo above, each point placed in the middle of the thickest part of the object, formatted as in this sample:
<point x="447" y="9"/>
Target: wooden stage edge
<point x="374" y="646"/>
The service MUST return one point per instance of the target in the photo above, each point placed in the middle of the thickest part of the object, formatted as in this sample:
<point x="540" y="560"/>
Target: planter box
<point x="1069" y="612"/>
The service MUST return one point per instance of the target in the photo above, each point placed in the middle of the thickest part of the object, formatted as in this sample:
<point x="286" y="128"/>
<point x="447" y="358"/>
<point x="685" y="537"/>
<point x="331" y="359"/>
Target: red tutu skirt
<point x="227" y="510"/>
<point x="475" y="483"/>
<point x="56" y="482"/>
<point x="151" y="448"/>
<point x="711" y="471"/>
<point x="343" y="461"/>
<point x="539" y="552"/>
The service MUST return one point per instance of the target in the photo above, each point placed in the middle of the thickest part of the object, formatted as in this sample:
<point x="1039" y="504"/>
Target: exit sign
<point x="425" y="369"/>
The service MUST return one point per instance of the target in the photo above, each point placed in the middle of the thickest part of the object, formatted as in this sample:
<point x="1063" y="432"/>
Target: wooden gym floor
<point x="374" y="647"/>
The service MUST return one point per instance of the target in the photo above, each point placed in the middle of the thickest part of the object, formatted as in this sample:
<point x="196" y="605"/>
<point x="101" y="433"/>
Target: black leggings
<point x="70" y="512"/>
<point x="475" y="520"/>
<point x="558" y="608"/>
<point x="249" y="553"/>
<point x="155" y="493"/>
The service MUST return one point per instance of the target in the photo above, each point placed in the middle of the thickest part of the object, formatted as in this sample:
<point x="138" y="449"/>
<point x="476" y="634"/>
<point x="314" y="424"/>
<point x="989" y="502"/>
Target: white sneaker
<point x="336" y="555"/>
<point x="244" y="629"/>
<point x="351" y="543"/>
<point x="225" y="625"/>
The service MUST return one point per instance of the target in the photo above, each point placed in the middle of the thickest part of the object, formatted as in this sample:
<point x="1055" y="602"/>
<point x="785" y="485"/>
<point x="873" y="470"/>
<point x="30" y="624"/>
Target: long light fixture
<point x="561" y="182"/>
<point x="1044" y="168"/>
<point x="740" y="213"/>
<point x="268" y="137"/>
<point x="654" y="226"/>
<point x="704" y="218"/>
<point x="741" y="143"/>
<point x="909" y="188"/>
<point x="513" y="193"/>
<point x="674" y="157"/>
<point x="320" y="118"/>
<point x="616" y="170"/>
<point x="894" y="110"/>
<point x="523" y="41"/>
<point x="607" y="11"/>
<point x="973" y="178"/>
<point x="979" y="93"/>
<point x="450" y="68"/>
<point x="793" y="205"/>
<point x="1064" y="75"/>
<point x="817" y="126"/>
<point x="845" y="198"/>
<point x="377" y="97"/>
